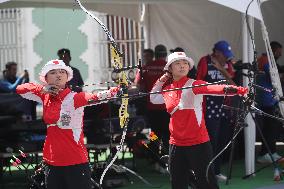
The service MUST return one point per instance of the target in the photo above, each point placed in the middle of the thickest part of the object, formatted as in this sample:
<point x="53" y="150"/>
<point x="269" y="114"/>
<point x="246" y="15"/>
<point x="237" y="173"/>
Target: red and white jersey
<point x="63" y="114"/>
<point x="187" y="124"/>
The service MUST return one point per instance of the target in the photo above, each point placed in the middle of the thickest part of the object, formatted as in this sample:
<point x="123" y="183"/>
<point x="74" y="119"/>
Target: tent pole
<point x="144" y="14"/>
<point x="249" y="132"/>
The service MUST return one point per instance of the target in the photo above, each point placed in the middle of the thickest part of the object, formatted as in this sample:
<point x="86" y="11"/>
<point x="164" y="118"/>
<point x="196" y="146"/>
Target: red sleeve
<point x="30" y="91"/>
<point x="261" y="62"/>
<point x="83" y="99"/>
<point x="202" y="69"/>
<point x="231" y="70"/>
<point x="217" y="89"/>
<point x="139" y="82"/>
<point x="137" y="78"/>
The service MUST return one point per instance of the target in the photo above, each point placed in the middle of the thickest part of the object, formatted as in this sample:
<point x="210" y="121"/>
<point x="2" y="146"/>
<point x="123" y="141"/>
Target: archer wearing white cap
<point x="190" y="149"/>
<point x="64" y="151"/>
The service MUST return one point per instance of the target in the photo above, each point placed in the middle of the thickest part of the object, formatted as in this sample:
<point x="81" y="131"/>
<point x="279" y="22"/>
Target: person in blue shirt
<point x="267" y="103"/>
<point x="10" y="81"/>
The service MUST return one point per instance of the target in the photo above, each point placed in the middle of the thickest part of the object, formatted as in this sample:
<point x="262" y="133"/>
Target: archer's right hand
<point x="51" y="89"/>
<point x="166" y="77"/>
<point x="25" y="75"/>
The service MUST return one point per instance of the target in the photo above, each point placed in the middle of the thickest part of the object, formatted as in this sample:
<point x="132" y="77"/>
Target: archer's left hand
<point x="242" y="91"/>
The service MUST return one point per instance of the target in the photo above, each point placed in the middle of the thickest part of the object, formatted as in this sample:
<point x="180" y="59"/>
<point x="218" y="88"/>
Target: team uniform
<point x="267" y="103"/>
<point x="64" y="151"/>
<point x="217" y="118"/>
<point x="207" y="72"/>
<point x="156" y="113"/>
<point x="151" y="72"/>
<point x="189" y="141"/>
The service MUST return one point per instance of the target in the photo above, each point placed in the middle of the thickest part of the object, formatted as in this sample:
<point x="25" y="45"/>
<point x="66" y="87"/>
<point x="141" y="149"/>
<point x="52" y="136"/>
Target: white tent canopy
<point x="126" y="4"/>
<point x="194" y="25"/>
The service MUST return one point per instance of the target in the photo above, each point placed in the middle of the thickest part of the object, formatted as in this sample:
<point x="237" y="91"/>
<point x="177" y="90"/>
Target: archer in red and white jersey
<point x="190" y="150"/>
<point x="64" y="150"/>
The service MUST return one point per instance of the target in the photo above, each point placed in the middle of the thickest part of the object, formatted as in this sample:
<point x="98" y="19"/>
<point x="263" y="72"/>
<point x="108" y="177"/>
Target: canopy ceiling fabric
<point x="192" y="24"/>
<point x="123" y="7"/>
<point x="241" y="6"/>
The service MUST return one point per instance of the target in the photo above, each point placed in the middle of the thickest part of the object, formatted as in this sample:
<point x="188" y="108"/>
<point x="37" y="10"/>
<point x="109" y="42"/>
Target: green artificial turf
<point x="145" y="168"/>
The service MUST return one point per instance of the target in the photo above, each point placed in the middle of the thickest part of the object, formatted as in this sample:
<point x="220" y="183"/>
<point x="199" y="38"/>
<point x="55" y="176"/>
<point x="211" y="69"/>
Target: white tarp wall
<point x="197" y="25"/>
<point x="194" y="26"/>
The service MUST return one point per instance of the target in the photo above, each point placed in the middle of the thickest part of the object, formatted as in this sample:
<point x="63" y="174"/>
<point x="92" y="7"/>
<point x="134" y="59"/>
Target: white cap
<point x="53" y="65"/>
<point x="178" y="56"/>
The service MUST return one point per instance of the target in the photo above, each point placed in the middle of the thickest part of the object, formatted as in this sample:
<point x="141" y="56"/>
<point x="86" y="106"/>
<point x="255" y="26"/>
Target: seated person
<point x="10" y="81"/>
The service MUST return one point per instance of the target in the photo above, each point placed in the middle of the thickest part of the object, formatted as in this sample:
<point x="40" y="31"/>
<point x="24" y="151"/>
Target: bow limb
<point x="111" y="39"/>
<point x="273" y="71"/>
<point x="123" y="83"/>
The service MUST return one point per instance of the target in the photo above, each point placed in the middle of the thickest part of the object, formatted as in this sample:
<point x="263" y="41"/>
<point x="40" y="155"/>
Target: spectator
<point x="140" y="103"/>
<point x="213" y="68"/>
<point x="10" y="81"/>
<point x="148" y="56"/>
<point x="147" y="59"/>
<point x="157" y="115"/>
<point x="76" y="83"/>
<point x="268" y="104"/>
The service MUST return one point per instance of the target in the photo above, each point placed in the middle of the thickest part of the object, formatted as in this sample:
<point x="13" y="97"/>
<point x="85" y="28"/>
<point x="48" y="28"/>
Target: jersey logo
<point x="215" y="74"/>
<point x="65" y="119"/>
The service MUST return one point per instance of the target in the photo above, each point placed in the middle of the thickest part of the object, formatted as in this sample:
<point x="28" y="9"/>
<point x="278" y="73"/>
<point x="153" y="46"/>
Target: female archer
<point x="190" y="150"/>
<point x="64" y="152"/>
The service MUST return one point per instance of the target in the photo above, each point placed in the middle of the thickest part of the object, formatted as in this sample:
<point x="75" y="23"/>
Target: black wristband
<point x="230" y="90"/>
